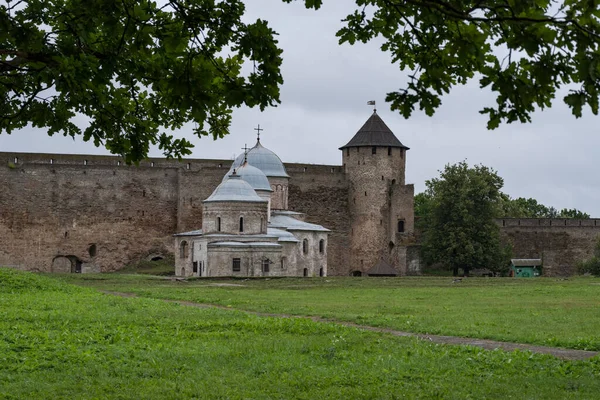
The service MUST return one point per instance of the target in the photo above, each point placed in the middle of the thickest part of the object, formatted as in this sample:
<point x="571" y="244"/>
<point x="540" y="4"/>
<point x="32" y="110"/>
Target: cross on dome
<point x="258" y="129"/>
<point x="245" y="148"/>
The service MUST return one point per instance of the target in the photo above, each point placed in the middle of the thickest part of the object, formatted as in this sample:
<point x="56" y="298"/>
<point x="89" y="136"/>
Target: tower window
<point x="241" y="224"/>
<point x="348" y="151"/>
<point x="374" y="150"/>
<point x="237" y="265"/>
<point x="321" y="246"/>
<point x="218" y="224"/>
<point x="389" y="151"/>
<point x="400" y="226"/>
<point x="305" y="246"/>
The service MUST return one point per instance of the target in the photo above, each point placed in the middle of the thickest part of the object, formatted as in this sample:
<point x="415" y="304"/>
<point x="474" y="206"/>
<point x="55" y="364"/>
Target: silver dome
<point x="263" y="159"/>
<point x="234" y="189"/>
<point x="254" y="176"/>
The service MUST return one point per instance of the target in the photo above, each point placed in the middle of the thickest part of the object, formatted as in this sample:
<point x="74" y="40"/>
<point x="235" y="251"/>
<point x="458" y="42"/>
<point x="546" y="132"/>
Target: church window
<point x="389" y="151"/>
<point x="218" y="224"/>
<point x="282" y="262"/>
<point x="348" y="151"/>
<point x="241" y="224"/>
<point x="305" y="246"/>
<point x="237" y="265"/>
<point x="265" y="265"/>
<point x="262" y="222"/>
<point x="321" y="246"/>
<point x="374" y="150"/>
<point x="400" y="226"/>
<point x="305" y="273"/>
<point x="183" y="249"/>
<point x="195" y="267"/>
<point x="401" y="153"/>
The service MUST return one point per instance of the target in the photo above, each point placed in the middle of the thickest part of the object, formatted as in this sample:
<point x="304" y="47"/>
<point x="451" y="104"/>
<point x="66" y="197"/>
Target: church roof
<point x="254" y="176"/>
<point x="382" y="268"/>
<point x="374" y="133"/>
<point x="234" y="189"/>
<point x="293" y="224"/>
<point x="263" y="159"/>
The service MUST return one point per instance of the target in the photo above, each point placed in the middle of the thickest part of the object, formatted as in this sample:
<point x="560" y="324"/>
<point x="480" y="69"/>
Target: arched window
<point x="183" y="249"/>
<point x="218" y="224"/>
<point x="282" y="262"/>
<point x="400" y="225"/>
<point x="322" y="246"/>
<point x="241" y="224"/>
<point x="305" y="246"/>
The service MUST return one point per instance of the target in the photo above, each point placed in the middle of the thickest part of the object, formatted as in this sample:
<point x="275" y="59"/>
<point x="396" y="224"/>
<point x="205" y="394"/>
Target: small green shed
<point x="525" y="267"/>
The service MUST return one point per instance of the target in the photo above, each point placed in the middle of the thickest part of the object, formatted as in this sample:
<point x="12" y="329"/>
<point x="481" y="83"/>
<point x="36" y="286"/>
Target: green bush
<point x="591" y="266"/>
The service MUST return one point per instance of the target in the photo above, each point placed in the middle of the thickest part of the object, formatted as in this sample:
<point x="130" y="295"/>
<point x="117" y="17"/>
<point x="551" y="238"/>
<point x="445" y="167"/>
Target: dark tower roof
<point x="374" y="133"/>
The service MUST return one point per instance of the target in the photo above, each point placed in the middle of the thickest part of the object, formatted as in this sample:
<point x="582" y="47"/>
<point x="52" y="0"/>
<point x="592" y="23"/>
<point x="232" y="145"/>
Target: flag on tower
<point x="371" y="102"/>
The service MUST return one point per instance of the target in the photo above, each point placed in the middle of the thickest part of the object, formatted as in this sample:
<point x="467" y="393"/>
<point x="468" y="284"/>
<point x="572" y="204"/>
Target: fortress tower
<point x="380" y="204"/>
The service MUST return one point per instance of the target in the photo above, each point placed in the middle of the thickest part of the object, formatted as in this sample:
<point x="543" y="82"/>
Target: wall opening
<point x="92" y="250"/>
<point x="356" y="273"/>
<point x="322" y="246"/>
<point x="305" y="246"/>
<point x="305" y="272"/>
<point x="347" y="151"/>
<point x="218" y="224"/>
<point x="236" y="265"/>
<point x="283" y="262"/>
<point x="389" y="151"/>
<point x="321" y="271"/>
<point x="241" y="224"/>
<point x="156" y="258"/>
<point x="265" y="265"/>
<point x="374" y="150"/>
<point x="400" y="226"/>
<point x="183" y="271"/>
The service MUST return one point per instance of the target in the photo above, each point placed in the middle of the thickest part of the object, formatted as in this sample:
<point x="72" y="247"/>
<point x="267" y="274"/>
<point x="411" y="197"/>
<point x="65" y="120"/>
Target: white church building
<point x="247" y="229"/>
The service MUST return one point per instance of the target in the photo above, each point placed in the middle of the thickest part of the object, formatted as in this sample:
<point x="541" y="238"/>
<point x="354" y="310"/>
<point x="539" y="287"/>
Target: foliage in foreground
<point x="61" y="341"/>
<point x="524" y="51"/>
<point x="460" y="229"/>
<point x="134" y="68"/>
<point x="545" y="311"/>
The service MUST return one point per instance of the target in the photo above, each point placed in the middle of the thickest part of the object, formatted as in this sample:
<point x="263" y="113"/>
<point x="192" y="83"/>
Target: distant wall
<point x="61" y="205"/>
<point x="560" y="242"/>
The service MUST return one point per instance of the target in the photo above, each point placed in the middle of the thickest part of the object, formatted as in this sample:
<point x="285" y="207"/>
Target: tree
<point x="134" y="68"/>
<point x="573" y="213"/>
<point x="530" y="208"/>
<point x="461" y="231"/>
<point x="524" y="51"/>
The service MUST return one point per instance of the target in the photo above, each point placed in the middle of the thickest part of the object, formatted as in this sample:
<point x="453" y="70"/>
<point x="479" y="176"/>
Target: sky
<point x="324" y="98"/>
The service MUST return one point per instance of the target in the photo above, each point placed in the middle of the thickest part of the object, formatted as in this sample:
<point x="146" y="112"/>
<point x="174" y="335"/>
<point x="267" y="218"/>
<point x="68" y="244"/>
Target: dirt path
<point x="565" y="354"/>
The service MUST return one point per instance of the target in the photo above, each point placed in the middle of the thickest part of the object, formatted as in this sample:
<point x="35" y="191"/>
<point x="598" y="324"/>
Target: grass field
<point x="60" y="341"/>
<point x="546" y="311"/>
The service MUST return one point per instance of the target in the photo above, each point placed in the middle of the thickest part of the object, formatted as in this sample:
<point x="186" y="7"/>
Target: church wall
<point x="312" y="259"/>
<point x="220" y="261"/>
<point x="254" y="214"/>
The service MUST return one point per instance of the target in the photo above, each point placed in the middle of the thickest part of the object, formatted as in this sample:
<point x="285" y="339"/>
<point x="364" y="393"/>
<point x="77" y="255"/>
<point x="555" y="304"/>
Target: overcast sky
<point x="323" y="104"/>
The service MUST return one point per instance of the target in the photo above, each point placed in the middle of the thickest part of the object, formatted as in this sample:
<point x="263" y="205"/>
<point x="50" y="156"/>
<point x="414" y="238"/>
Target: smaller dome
<point x="263" y="159"/>
<point x="234" y="189"/>
<point x="254" y="176"/>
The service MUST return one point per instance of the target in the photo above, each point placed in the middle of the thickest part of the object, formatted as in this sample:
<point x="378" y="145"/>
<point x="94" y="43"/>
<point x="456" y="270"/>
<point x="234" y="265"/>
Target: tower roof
<point x="234" y="189"/>
<point x="263" y="159"/>
<point x="374" y="133"/>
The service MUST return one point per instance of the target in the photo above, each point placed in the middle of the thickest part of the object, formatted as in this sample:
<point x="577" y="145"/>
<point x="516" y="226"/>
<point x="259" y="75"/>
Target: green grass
<point x="161" y="267"/>
<point x="59" y="341"/>
<point x="546" y="311"/>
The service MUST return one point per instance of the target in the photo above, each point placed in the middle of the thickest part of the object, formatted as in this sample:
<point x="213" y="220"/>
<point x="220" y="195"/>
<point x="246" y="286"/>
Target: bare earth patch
<point x="565" y="354"/>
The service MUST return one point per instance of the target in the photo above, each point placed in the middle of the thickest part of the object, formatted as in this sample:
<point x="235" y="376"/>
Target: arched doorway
<point x="305" y="273"/>
<point x="356" y="273"/>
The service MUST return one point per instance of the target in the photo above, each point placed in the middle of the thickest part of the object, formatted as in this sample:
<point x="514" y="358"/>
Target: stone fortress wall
<point x="97" y="212"/>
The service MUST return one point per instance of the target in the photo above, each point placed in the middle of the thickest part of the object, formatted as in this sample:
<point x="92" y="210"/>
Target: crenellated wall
<point x="56" y="207"/>
<point x="560" y="242"/>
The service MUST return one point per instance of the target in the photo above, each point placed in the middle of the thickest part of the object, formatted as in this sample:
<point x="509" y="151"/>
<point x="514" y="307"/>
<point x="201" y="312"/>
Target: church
<point x="247" y="229"/>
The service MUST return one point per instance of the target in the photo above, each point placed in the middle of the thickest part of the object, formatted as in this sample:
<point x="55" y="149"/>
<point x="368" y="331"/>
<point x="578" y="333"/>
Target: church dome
<point x="254" y="176"/>
<point x="265" y="160"/>
<point x="234" y="188"/>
